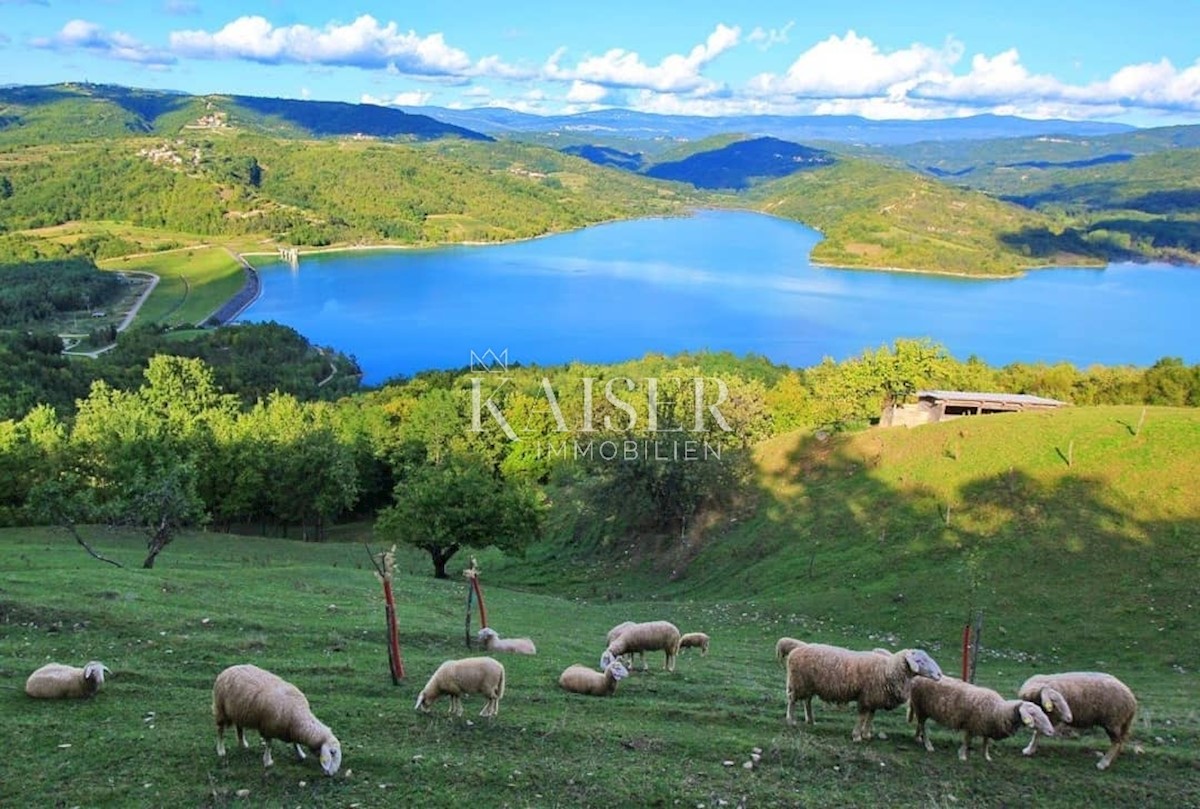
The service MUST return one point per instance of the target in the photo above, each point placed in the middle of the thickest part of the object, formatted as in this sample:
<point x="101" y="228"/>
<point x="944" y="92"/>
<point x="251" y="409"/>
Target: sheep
<point x="494" y="643"/>
<point x="56" y="681"/>
<point x="580" y="679"/>
<point x="973" y="709"/>
<point x="470" y="675"/>
<point x="696" y="639"/>
<point x="783" y="646"/>
<point x="1082" y="699"/>
<point x="647" y="637"/>
<point x="839" y="675"/>
<point x="246" y="696"/>
<point x="627" y="659"/>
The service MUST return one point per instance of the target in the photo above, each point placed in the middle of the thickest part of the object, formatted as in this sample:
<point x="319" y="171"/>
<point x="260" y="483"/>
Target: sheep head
<point x="94" y="673"/>
<point x="331" y="756"/>
<point x="1054" y="702"/>
<point x="423" y="702"/>
<point x="920" y="664"/>
<point x="617" y="669"/>
<point x="607" y="659"/>
<point x="1034" y="717"/>
<point x="487" y="635"/>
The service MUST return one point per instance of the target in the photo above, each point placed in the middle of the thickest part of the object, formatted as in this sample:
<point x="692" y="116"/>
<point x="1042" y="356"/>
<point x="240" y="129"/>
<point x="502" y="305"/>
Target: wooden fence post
<point x="385" y="567"/>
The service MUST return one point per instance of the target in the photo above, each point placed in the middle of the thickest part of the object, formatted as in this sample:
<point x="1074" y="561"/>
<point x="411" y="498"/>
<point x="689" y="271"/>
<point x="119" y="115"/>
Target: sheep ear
<point x="1026" y="715"/>
<point x="914" y="665"/>
<point x="420" y="701"/>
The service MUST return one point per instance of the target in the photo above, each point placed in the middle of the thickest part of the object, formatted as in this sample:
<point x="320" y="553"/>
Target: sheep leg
<point x="267" y="760"/>
<point x="1031" y="748"/>
<point x="789" y="715"/>
<point x="456" y="705"/>
<point x="220" y="740"/>
<point x="669" y="663"/>
<point x="241" y="737"/>
<point x="862" y="728"/>
<point x="923" y="735"/>
<point x="808" y="712"/>
<point x="966" y="745"/>
<point x="1117" y="743"/>
<point x="987" y="748"/>
<point x="300" y="754"/>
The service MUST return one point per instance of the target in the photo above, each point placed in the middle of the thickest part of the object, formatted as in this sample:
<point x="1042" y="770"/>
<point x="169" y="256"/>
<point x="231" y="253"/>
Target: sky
<point x="1134" y="62"/>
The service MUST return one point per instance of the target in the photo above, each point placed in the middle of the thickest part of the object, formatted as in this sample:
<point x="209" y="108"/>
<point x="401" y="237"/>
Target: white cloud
<point x="768" y="38"/>
<point x="854" y="67"/>
<point x="1003" y="82"/>
<point x="582" y="92"/>
<point x="675" y="73"/>
<point x="414" y="98"/>
<point x="363" y="43"/>
<point x="93" y="38"/>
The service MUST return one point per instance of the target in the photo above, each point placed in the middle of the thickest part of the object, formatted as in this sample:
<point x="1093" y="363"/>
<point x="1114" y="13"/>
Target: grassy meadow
<point x="313" y="613"/>
<point x="192" y="283"/>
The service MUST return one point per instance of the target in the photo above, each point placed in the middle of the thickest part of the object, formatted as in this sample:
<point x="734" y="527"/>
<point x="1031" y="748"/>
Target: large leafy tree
<point x="460" y="503"/>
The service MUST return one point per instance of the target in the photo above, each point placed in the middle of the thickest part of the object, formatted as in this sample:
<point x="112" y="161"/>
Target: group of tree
<point x="454" y="459"/>
<point x="251" y="361"/>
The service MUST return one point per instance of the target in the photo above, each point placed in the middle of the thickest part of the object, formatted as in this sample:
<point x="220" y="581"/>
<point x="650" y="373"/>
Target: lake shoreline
<point x="718" y="280"/>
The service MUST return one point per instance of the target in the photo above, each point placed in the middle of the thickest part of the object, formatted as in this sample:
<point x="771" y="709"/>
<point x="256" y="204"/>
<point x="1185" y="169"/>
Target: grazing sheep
<point x="647" y="637"/>
<point x="471" y="675"/>
<point x="973" y="709"/>
<point x="627" y="659"/>
<point x="580" y="679"/>
<point x="494" y="643"/>
<point x="246" y="696"/>
<point x="839" y="675"/>
<point x="696" y="639"/>
<point x="1084" y="699"/>
<point x="56" y="681"/>
<point x="785" y="645"/>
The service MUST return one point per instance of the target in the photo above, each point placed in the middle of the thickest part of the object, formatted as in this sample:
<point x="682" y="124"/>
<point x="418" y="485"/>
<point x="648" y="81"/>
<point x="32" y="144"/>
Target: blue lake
<point x="718" y="280"/>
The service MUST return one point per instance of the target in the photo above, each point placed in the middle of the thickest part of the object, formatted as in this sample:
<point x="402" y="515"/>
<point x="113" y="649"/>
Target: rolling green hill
<point x="875" y="216"/>
<point x="322" y="192"/>
<point x="741" y="163"/>
<point x="1077" y="538"/>
<point x="72" y="112"/>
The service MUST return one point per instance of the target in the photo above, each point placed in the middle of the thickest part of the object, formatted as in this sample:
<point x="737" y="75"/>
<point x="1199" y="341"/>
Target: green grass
<point x="1123" y="601"/>
<point x="192" y="283"/>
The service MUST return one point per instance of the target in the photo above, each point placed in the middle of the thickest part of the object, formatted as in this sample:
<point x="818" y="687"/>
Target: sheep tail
<point x="503" y="675"/>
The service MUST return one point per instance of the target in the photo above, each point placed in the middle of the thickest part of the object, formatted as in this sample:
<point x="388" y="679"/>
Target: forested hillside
<point x="874" y="216"/>
<point x="317" y="193"/>
<point x="63" y="113"/>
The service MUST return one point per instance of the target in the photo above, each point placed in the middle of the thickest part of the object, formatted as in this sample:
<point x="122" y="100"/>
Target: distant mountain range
<point x="79" y="111"/>
<point x="838" y="128"/>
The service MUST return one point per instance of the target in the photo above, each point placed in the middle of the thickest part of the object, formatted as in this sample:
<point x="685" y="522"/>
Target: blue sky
<point x="1137" y="62"/>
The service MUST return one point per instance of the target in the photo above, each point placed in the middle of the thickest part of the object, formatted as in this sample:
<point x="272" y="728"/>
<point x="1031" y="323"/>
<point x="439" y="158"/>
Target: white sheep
<point x="1084" y="699"/>
<point x="246" y="696"/>
<point x="698" y="640"/>
<point x="627" y="659"/>
<point x="973" y="709"/>
<point x="56" y="681"/>
<point x="783" y="646"/>
<point x="646" y="637"/>
<point x="580" y="679"/>
<point x="839" y="675"/>
<point x="470" y="675"/>
<point x="494" y="643"/>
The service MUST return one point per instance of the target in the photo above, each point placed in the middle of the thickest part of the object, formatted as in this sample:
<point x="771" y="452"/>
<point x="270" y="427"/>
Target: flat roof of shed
<point x="979" y="396"/>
